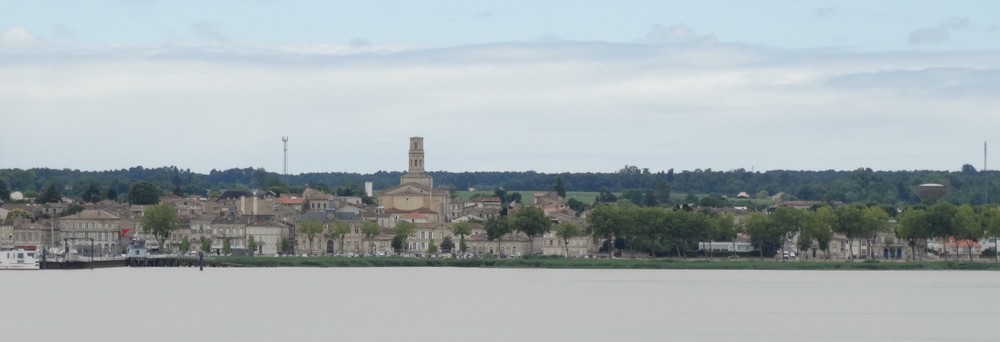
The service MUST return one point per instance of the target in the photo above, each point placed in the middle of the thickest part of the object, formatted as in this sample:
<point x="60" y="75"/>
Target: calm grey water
<point x="448" y="304"/>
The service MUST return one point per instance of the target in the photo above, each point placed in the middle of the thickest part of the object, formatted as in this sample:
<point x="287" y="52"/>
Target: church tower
<point x="415" y="170"/>
<point x="416" y="155"/>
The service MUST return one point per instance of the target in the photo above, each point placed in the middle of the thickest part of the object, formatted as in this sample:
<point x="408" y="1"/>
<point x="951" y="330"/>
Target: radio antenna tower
<point x="285" y="140"/>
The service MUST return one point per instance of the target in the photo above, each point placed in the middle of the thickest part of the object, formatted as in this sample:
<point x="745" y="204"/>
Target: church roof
<point x="407" y="189"/>
<point x="413" y="215"/>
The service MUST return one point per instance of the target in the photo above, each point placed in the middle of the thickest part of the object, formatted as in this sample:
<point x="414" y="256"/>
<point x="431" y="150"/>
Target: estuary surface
<point x="469" y="304"/>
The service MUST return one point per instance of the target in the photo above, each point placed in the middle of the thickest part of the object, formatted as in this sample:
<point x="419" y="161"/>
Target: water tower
<point x="930" y="191"/>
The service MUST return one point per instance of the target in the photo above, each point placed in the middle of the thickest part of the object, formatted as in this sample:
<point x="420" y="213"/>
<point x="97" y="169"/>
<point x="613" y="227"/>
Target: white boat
<point x="18" y="260"/>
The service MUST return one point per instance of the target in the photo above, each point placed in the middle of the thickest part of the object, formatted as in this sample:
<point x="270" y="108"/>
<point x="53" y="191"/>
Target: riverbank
<point x="562" y="263"/>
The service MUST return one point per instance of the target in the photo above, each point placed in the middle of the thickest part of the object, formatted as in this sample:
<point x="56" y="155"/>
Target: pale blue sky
<point x="549" y="86"/>
<point x="866" y="25"/>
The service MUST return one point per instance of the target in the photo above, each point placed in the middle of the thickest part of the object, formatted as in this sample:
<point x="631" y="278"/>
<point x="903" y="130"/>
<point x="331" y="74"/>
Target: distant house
<point x="742" y="194"/>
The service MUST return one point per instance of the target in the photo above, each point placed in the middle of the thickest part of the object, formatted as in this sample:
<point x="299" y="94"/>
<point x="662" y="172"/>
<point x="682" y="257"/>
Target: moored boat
<point x="18" y="260"/>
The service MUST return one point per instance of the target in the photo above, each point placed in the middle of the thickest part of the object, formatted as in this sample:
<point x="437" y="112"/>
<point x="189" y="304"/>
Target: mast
<point x="285" y="170"/>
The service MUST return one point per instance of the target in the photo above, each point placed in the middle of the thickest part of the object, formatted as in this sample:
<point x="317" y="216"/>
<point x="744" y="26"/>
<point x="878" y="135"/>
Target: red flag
<point x="125" y="231"/>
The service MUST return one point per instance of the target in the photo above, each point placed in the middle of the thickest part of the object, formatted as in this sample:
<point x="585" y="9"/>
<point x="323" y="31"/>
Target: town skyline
<point x="497" y="86"/>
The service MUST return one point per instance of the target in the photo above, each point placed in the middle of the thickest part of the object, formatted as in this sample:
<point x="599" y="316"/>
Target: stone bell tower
<point x="415" y="170"/>
<point x="416" y="155"/>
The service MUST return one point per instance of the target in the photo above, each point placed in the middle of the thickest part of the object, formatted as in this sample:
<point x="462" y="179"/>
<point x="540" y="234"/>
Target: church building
<point x="415" y="199"/>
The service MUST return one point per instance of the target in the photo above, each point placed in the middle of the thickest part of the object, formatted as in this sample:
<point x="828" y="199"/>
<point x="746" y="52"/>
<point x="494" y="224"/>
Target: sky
<point x="548" y="86"/>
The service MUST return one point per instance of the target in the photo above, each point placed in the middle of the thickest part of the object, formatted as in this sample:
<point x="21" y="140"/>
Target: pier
<point x="153" y="261"/>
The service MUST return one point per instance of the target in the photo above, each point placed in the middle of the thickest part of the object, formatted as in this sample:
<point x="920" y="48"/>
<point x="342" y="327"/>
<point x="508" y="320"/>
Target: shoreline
<point x="623" y="263"/>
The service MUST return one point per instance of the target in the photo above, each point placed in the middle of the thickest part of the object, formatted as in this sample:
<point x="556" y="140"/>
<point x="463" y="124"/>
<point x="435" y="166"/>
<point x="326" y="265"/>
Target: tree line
<point x="659" y="231"/>
<point x="637" y="184"/>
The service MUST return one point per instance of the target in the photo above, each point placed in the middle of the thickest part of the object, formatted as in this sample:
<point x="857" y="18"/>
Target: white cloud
<point x="16" y="37"/>
<point x="556" y="106"/>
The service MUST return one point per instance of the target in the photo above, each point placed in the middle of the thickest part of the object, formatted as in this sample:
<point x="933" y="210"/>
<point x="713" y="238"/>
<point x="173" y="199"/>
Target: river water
<point x="469" y="304"/>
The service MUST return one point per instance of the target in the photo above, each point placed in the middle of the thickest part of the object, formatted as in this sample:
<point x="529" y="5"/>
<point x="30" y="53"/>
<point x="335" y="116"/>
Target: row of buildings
<point x="273" y="222"/>
<point x="229" y="222"/>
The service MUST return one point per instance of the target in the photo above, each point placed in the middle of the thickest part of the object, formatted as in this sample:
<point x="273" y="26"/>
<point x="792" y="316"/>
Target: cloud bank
<point x="681" y="102"/>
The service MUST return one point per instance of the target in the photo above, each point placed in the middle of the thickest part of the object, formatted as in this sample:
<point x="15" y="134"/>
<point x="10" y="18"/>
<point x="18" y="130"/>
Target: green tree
<point x="760" y="229"/>
<point x="160" y="220"/>
<point x="991" y="223"/>
<point x="50" y="195"/>
<point x="875" y="221"/>
<point x="310" y="228"/>
<point x="111" y="194"/>
<point x="915" y="228"/>
<point x="605" y="223"/>
<point x="432" y="248"/>
<point x="577" y="206"/>
<point x="850" y="222"/>
<point x="605" y="196"/>
<point x="404" y="230"/>
<point x="398" y="243"/>
<point x="339" y="232"/>
<point x="820" y="224"/>
<point x="662" y="192"/>
<point x="724" y="228"/>
<point x="560" y="188"/>
<point x="462" y="229"/>
<point x="92" y="194"/>
<point x="185" y="245"/>
<point x="786" y="221"/>
<point x="649" y="199"/>
<point x="143" y="193"/>
<point x="251" y="245"/>
<point x="567" y="231"/>
<point x="71" y="210"/>
<point x="531" y="221"/>
<point x="4" y="192"/>
<point x="226" y="246"/>
<point x="447" y="244"/>
<point x="285" y="245"/>
<point x="967" y="228"/>
<point x="941" y="217"/>
<point x="370" y="230"/>
<point x="685" y="229"/>
<point x="648" y="223"/>
<point x="206" y="245"/>
<point x="496" y="228"/>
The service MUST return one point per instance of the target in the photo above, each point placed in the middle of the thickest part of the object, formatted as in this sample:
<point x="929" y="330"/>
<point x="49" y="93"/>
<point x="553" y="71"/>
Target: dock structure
<point x="166" y="261"/>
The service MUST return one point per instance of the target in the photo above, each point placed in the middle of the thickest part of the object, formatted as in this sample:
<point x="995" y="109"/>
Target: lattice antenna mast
<point x="285" y="170"/>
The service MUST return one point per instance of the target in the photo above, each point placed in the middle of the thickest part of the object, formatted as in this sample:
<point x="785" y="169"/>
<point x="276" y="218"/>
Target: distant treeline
<point x="862" y="185"/>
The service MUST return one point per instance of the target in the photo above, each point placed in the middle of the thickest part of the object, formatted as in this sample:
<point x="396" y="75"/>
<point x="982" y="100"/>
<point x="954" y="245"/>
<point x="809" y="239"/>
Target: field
<point x="526" y="196"/>
<point x="588" y="197"/>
